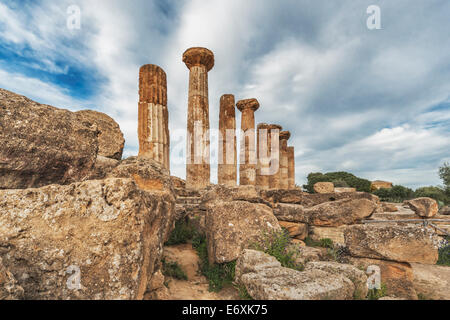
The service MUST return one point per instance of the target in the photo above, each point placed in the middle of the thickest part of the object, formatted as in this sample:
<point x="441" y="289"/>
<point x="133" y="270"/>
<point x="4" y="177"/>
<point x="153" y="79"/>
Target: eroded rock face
<point x="410" y="243"/>
<point x="9" y="289"/>
<point x="396" y="276"/>
<point x="424" y="207"/>
<point x="296" y="230"/>
<point x="108" y="232"/>
<point x="110" y="137"/>
<point x="242" y="193"/>
<point x="432" y="282"/>
<point x="357" y="276"/>
<point x="235" y="225"/>
<point x="324" y="187"/>
<point x="265" y="279"/>
<point x="328" y="214"/>
<point x="445" y="211"/>
<point x="42" y="145"/>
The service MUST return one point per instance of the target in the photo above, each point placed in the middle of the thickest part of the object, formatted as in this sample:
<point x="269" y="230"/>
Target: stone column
<point x="284" y="163"/>
<point x="199" y="61"/>
<point x="248" y="159"/>
<point x="291" y="168"/>
<point x="274" y="179"/>
<point x="227" y="168"/>
<point x="264" y="153"/>
<point x="153" y="116"/>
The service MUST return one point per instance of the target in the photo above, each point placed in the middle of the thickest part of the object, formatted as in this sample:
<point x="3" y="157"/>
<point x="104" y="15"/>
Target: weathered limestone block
<point x="153" y="118"/>
<point x="396" y="276"/>
<point x="411" y="243"/>
<point x="357" y="276"/>
<point x="432" y="282"/>
<point x="110" y="137"/>
<point x="388" y="207"/>
<point x="42" y="145"/>
<point x="227" y="167"/>
<point x="324" y="187"/>
<point x="291" y="168"/>
<point x="274" y="142"/>
<point x="296" y="230"/>
<point x="199" y="62"/>
<point x="284" y="160"/>
<point x="234" y="226"/>
<point x="376" y="185"/>
<point x="222" y="193"/>
<point x="327" y="214"/>
<point x="109" y="234"/>
<point x="445" y="211"/>
<point x="248" y="155"/>
<point x="311" y="200"/>
<point x="340" y="190"/>
<point x="264" y="156"/>
<point x="334" y="233"/>
<point x="265" y="279"/>
<point x="306" y="254"/>
<point x="424" y="207"/>
<point x="149" y="175"/>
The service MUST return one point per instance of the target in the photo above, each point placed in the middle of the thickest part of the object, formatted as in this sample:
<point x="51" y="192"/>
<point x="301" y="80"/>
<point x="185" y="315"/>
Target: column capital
<point x="152" y="84"/>
<point x="285" y="135"/>
<point x="262" y="126"/>
<point x="275" y="127"/>
<point x="199" y="57"/>
<point x="252" y="104"/>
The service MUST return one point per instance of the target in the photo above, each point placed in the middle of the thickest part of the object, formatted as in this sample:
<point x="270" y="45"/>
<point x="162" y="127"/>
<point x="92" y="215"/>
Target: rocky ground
<point x="78" y="222"/>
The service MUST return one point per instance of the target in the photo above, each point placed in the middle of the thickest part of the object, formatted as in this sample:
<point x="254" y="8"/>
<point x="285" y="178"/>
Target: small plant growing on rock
<point x="279" y="245"/>
<point x="173" y="269"/>
<point x="444" y="252"/>
<point x="218" y="275"/>
<point x="182" y="233"/>
<point x="375" y="294"/>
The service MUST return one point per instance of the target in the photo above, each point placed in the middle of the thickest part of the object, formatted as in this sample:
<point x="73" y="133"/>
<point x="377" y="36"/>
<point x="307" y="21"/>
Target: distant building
<point x="376" y="185"/>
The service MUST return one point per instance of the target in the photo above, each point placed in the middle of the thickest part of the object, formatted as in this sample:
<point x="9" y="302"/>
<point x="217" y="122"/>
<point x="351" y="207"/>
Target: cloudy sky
<point x="372" y="102"/>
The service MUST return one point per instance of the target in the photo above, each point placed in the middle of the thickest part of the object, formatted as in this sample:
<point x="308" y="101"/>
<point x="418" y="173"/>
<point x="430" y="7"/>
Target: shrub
<point x="173" y="269"/>
<point x="343" y="179"/>
<point x="396" y="194"/>
<point x="182" y="233"/>
<point x="278" y="244"/>
<point x="444" y="252"/>
<point x="218" y="275"/>
<point x="375" y="294"/>
<point x="436" y="193"/>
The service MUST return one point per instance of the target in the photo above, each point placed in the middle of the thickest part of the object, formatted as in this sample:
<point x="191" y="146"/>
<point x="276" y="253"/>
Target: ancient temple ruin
<point x="265" y="160"/>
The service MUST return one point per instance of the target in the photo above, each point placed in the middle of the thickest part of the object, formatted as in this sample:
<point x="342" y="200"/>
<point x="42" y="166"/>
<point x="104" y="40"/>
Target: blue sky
<point x="372" y="102"/>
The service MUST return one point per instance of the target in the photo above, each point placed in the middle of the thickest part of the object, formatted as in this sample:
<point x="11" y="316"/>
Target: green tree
<point x="444" y="174"/>
<point x="340" y="179"/>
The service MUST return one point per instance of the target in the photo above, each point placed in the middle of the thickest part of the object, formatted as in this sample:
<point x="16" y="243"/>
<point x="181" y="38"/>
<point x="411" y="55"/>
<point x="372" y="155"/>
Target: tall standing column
<point x="153" y="130"/>
<point x="264" y="155"/>
<point x="274" y="141"/>
<point x="199" y="62"/>
<point x="284" y="163"/>
<point x="291" y="168"/>
<point x="248" y="159"/>
<point x="227" y="168"/>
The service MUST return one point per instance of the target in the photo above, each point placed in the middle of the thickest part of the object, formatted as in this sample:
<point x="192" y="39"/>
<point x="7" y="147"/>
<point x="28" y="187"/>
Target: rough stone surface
<point x="324" y="187"/>
<point x="110" y="137"/>
<point x="9" y="289"/>
<point x="445" y="211"/>
<point x="341" y="190"/>
<point x="234" y="226"/>
<point x="265" y="279"/>
<point x="410" y="243"/>
<point x="357" y="276"/>
<point x="376" y="185"/>
<point x="396" y="276"/>
<point x="305" y="254"/>
<point x="432" y="282"/>
<point x="328" y="214"/>
<point x="296" y="230"/>
<point x="424" y="207"/>
<point x="42" y="145"/>
<point x="334" y="233"/>
<point x="388" y="207"/>
<point x="243" y="193"/>
<point x="109" y="230"/>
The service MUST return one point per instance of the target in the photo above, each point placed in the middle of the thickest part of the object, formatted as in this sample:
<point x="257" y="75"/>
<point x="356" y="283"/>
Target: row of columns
<point x="269" y="163"/>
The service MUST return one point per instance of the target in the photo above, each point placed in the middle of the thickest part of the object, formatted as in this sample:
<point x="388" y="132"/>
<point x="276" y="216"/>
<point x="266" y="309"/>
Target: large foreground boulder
<point x="410" y="243"/>
<point x="265" y="279"/>
<point x="328" y="214"/>
<point x="424" y="207"/>
<point x="42" y="145"/>
<point x="232" y="226"/>
<point x="99" y="239"/>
